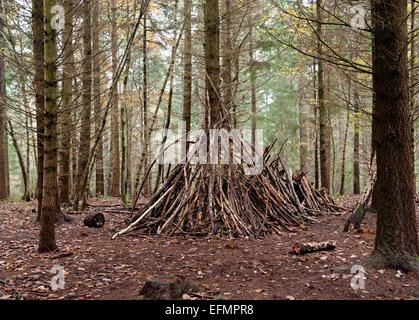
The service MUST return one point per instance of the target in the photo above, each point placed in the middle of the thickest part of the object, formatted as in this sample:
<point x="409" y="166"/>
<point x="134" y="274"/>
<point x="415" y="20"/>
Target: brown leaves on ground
<point x="96" y="267"/>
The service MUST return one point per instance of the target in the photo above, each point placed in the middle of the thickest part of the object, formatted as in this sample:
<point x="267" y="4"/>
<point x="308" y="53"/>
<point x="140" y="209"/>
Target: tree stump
<point x="94" y="220"/>
<point x="173" y="289"/>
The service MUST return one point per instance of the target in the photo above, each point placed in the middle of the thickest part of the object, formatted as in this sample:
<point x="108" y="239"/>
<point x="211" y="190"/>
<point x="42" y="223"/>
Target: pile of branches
<point x="210" y="200"/>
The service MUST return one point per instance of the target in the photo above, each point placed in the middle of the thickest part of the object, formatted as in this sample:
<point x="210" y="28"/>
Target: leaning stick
<point x="132" y="225"/>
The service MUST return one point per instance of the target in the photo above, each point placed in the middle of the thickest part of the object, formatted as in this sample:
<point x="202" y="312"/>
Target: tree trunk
<point x="38" y="60"/>
<point x="252" y="81"/>
<point x="66" y="123"/>
<point x="345" y="139"/>
<point x="201" y="91"/>
<point x="49" y="203"/>
<point x="212" y="63"/>
<point x="116" y="173"/>
<point x="74" y="145"/>
<point x="227" y="57"/>
<point x="100" y="186"/>
<point x="84" y="146"/>
<point x="145" y="110"/>
<point x="124" y="125"/>
<point x="3" y="134"/>
<point x="323" y="119"/>
<point x="413" y="79"/>
<point x="316" y="130"/>
<point x="396" y="243"/>
<point x="28" y="128"/>
<point x="356" y="140"/>
<point x="187" y="72"/>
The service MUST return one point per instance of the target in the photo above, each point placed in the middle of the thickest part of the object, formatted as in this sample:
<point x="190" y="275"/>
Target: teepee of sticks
<point x="219" y="199"/>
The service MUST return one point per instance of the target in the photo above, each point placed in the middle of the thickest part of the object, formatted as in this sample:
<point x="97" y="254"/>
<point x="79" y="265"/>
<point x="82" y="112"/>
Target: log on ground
<point x="304" y="248"/>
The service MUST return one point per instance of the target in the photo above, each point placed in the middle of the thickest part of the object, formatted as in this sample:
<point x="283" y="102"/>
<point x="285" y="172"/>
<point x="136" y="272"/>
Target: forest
<point x="209" y="150"/>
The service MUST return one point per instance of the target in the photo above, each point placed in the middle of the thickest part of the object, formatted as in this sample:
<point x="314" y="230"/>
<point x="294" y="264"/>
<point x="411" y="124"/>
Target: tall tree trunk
<point x="212" y="84"/>
<point x="212" y="63"/>
<point x="345" y="139"/>
<point x="235" y="57"/>
<point x="187" y="72"/>
<point x="316" y="129"/>
<point x="49" y="202"/>
<point x="373" y="129"/>
<point x="84" y="146"/>
<point x="3" y="134"/>
<point x="129" y="148"/>
<point x="227" y="56"/>
<point x="66" y="123"/>
<point x="357" y="119"/>
<point x="201" y="91"/>
<point x="252" y="79"/>
<point x="323" y="119"/>
<point x="116" y="170"/>
<point x="145" y="110"/>
<point x="74" y="146"/>
<point x="100" y="185"/>
<point x="124" y="125"/>
<point x="38" y="60"/>
<point x="396" y="243"/>
<point x="28" y="128"/>
<point x="332" y="143"/>
<point x="356" y="140"/>
<point x="124" y="133"/>
<point x="413" y="79"/>
<point x="170" y="75"/>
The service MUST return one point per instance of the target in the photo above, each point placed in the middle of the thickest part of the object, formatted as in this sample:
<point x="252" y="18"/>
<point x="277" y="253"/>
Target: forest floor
<point x="101" y="268"/>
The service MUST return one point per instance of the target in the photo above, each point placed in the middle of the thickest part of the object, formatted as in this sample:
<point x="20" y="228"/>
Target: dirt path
<point x="100" y="268"/>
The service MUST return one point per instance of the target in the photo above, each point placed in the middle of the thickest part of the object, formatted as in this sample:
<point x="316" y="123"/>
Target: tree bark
<point x="212" y="63"/>
<point x="252" y="80"/>
<point x="413" y="79"/>
<point x="323" y="119"/>
<point x="49" y="203"/>
<point x="356" y="140"/>
<point x="66" y="123"/>
<point x="345" y="139"/>
<point x="116" y="170"/>
<point x="38" y="60"/>
<point x="396" y="243"/>
<point x="316" y="130"/>
<point x="145" y="110"/>
<point x="84" y="146"/>
<point x="187" y="72"/>
<point x="185" y="113"/>
<point x="124" y="125"/>
<point x="3" y="133"/>
<point x="28" y="128"/>
<point x="356" y="132"/>
<point x="227" y="57"/>
<point x="100" y="185"/>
